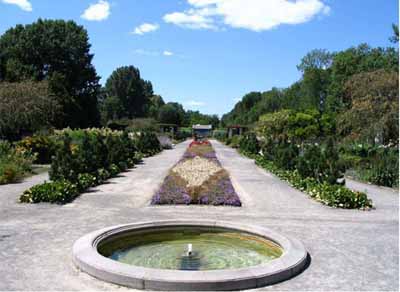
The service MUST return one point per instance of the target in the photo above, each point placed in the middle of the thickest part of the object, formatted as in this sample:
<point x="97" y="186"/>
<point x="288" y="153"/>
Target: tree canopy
<point x="332" y="84"/>
<point x="57" y="51"/>
<point x="26" y="107"/>
<point x="128" y="92"/>
<point x="373" y="99"/>
<point x="172" y="113"/>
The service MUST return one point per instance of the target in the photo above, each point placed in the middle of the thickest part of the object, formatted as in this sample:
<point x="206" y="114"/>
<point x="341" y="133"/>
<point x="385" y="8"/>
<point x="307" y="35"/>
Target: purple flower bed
<point x="217" y="190"/>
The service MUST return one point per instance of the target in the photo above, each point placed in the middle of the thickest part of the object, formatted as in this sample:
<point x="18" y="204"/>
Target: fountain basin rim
<point x="87" y="258"/>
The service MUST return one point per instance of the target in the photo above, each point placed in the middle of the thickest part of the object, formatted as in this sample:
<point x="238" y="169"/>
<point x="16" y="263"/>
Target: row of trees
<point x="47" y="80"/>
<point x="127" y="96"/>
<point x="356" y="89"/>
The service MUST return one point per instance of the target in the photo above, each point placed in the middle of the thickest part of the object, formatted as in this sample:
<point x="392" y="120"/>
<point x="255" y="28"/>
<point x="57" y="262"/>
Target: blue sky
<point x="206" y="54"/>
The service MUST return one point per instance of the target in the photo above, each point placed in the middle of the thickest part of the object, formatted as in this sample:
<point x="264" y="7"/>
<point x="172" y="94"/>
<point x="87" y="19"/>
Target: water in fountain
<point x="173" y="249"/>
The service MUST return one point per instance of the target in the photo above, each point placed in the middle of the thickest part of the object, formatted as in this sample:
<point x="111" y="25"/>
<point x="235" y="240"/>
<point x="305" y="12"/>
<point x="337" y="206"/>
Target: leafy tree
<point x="275" y="126"/>
<point x="395" y="38"/>
<point x="195" y="117"/>
<point x="374" y="103"/>
<point x="156" y="102"/>
<point x="171" y="113"/>
<point x="303" y="125"/>
<point x="58" y="51"/>
<point x="126" y="85"/>
<point x="239" y="114"/>
<point x="354" y="61"/>
<point x="26" y="107"/>
<point x="316" y="59"/>
<point x="112" y="109"/>
<point x="314" y="87"/>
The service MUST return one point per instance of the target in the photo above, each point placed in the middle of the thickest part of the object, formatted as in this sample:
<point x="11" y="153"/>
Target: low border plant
<point x="333" y="195"/>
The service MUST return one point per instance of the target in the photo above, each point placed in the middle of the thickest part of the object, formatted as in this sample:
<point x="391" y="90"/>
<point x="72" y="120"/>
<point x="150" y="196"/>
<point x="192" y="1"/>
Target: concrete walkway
<point x="349" y="249"/>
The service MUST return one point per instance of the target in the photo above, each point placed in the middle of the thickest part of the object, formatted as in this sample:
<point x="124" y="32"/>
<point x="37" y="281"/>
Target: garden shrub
<point x="385" y="168"/>
<point x="14" y="162"/>
<point x="40" y="145"/>
<point x="321" y="163"/>
<point x="249" y="144"/>
<point x="220" y="135"/>
<point x="183" y="134"/>
<point x="377" y="164"/>
<point x="102" y="175"/>
<point x="147" y="143"/>
<point x="234" y="142"/>
<point x="64" y="164"/>
<point x="286" y="155"/>
<point x="85" y="158"/>
<point x="86" y="180"/>
<point x="60" y="192"/>
<point x="333" y="195"/>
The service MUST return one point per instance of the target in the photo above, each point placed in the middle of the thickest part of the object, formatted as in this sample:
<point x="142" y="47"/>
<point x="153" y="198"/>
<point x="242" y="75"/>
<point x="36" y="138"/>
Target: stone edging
<point x="87" y="259"/>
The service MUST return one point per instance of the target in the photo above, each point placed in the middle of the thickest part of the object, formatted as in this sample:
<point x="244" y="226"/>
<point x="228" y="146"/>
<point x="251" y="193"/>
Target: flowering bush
<point x="14" y="162"/>
<point x="197" y="178"/>
<point x="60" y="192"/>
<point x="42" y="146"/>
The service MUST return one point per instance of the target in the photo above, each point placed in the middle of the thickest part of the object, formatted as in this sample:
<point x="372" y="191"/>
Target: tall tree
<point x="126" y="85"/>
<point x="395" y="38"/>
<point x="172" y="113"/>
<point x="354" y="61"/>
<point x="54" y="50"/>
<point x="26" y="107"/>
<point x="316" y="59"/>
<point x="374" y="104"/>
<point x="156" y="102"/>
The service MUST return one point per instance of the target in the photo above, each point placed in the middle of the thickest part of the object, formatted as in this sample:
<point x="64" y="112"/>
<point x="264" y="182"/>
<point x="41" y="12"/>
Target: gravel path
<point x="349" y="249"/>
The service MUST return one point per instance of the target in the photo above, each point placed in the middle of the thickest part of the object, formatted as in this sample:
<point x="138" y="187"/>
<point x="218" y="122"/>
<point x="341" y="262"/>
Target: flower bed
<point x="198" y="178"/>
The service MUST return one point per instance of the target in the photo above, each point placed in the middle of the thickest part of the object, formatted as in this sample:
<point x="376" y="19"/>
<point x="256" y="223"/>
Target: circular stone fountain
<point x="189" y="255"/>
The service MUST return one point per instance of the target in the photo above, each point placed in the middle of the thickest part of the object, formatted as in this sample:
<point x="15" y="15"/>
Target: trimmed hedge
<point x="333" y="195"/>
<point x="86" y="158"/>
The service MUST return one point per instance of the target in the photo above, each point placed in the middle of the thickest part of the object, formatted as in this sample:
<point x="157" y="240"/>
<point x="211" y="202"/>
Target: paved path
<point x="350" y="249"/>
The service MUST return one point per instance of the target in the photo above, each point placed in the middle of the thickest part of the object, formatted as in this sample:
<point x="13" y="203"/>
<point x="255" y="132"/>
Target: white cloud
<point x="154" y="53"/>
<point x="255" y="15"/>
<point x="190" y="19"/>
<point x="97" y="12"/>
<point x="194" y="103"/>
<point x="23" y="4"/>
<point x="145" y="28"/>
<point x="168" y="53"/>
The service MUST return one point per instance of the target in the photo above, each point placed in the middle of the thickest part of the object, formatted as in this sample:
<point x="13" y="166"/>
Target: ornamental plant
<point x="15" y="163"/>
<point x="249" y="143"/>
<point x="334" y="195"/>
<point x="59" y="192"/>
<point x="85" y="158"/>
<point x="41" y="145"/>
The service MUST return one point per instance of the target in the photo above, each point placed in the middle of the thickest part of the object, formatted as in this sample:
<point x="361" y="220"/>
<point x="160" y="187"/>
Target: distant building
<point x="202" y="131"/>
<point x="234" y="130"/>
